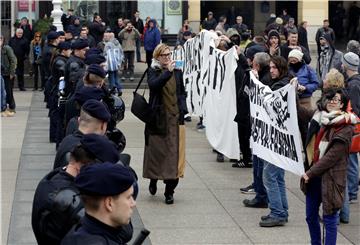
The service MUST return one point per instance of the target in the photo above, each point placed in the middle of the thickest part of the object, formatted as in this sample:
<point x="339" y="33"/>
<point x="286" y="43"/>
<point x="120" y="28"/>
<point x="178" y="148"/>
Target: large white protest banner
<point x="275" y="135"/>
<point x="220" y="102"/>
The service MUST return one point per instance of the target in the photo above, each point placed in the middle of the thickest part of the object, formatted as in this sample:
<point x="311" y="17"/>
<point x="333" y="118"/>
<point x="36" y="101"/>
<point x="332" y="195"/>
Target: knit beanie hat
<point x="296" y="54"/>
<point x="351" y="61"/>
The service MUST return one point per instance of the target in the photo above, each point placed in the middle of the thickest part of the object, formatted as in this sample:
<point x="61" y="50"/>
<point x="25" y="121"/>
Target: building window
<point x="83" y="9"/>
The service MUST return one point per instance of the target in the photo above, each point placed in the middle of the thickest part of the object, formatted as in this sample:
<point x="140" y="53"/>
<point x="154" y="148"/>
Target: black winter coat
<point x="20" y="47"/>
<point x="97" y="30"/>
<point x="74" y="73"/>
<point x="353" y="88"/>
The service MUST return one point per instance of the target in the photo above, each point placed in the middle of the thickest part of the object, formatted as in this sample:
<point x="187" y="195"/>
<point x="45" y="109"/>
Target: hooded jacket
<point x="334" y="61"/>
<point x="152" y="37"/>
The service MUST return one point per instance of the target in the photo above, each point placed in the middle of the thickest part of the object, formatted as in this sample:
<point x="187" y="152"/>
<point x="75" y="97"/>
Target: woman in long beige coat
<point x="164" y="156"/>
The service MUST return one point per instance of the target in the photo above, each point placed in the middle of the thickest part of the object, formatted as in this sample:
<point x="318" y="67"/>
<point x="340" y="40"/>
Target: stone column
<point x="314" y="12"/>
<point x="56" y="14"/>
<point x="194" y="14"/>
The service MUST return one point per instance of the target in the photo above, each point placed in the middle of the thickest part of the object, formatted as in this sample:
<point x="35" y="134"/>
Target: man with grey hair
<point x="353" y="46"/>
<point x="21" y="50"/>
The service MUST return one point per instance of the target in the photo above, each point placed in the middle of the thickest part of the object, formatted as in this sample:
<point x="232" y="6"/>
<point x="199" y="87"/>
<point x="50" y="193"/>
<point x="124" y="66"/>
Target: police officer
<point x="93" y="77"/>
<point x="94" y="117"/>
<point x="49" y="48"/>
<point x="108" y="204"/>
<point x="57" y="71"/>
<point x="75" y="66"/>
<point x="56" y="207"/>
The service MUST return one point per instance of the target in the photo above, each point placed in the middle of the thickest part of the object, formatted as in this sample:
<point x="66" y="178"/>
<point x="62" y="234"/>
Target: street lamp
<point x="56" y="14"/>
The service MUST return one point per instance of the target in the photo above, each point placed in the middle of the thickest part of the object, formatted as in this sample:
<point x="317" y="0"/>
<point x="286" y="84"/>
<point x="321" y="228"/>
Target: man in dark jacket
<point x="303" y="40"/>
<point x="240" y="26"/>
<point x="324" y="30"/>
<point x="21" y="49"/>
<point x="67" y="19"/>
<point x="101" y="224"/>
<point x="293" y="43"/>
<point x="139" y="25"/>
<point x="210" y="23"/>
<point x="28" y="33"/>
<point x="97" y="29"/>
<point x="350" y="63"/>
<point x="329" y="57"/>
<point x="120" y="25"/>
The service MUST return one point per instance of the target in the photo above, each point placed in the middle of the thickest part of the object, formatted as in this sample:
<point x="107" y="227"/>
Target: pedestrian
<point x="27" y="30"/>
<point x="325" y="29"/>
<point x="325" y="181"/>
<point x="108" y="204"/>
<point x="302" y="35"/>
<point x="67" y="19"/>
<point x="210" y="22"/>
<point x="305" y="75"/>
<point x="164" y="141"/>
<point x="75" y="27"/>
<point x="293" y="43"/>
<point x="185" y="28"/>
<point x="353" y="20"/>
<point x="152" y="38"/>
<point x="240" y="26"/>
<point x="128" y="38"/>
<point x="21" y="50"/>
<point x="350" y="64"/>
<point x="328" y="58"/>
<point x="35" y="57"/>
<point x="114" y="56"/>
<point x="118" y="28"/>
<point x="139" y="25"/>
<point x="285" y="16"/>
<point x="4" y="112"/>
<point x="84" y="34"/>
<point x="274" y="176"/>
<point x="8" y="67"/>
<point x="97" y="28"/>
<point x="221" y="26"/>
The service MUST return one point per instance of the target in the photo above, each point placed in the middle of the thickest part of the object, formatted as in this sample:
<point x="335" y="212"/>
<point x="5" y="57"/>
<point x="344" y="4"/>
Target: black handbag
<point x="140" y="107"/>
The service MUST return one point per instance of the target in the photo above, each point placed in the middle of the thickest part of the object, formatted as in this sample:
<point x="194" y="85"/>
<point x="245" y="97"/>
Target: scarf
<point x="325" y="56"/>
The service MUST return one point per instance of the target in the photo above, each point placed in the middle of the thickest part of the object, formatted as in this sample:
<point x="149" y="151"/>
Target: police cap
<point x="97" y="70"/>
<point x="101" y="147"/>
<point x="80" y="44"/>
<point x="64" y="46"/>
<point x="104" y="179"/>
<point x="94" y="59"/>
<point x="52" y="35"/>
<point x="86" y="93"/>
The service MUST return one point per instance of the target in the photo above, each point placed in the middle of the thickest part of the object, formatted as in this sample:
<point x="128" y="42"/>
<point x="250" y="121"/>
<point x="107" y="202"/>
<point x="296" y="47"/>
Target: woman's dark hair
<point x="281" y="64"/>
<point x="329" y="94"/>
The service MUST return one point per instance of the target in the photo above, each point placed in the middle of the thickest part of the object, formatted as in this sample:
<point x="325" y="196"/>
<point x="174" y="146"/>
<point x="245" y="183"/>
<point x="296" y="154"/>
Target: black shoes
<point x="253" y="203"/>
<point x="241" y="164"/>
<point x="169" y="199"/>
<point x="220" y="157"/>
<point x="22" y="89"/>
<point x="152" y="187"/>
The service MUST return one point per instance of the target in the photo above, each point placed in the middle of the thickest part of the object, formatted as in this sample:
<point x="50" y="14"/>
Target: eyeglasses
<point x="165" y="55"/>
<point x="335" y="100"/>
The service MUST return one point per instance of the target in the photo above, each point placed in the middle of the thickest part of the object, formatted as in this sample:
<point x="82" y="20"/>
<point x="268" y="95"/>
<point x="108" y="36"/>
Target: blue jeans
<point x="353" y="176"/>
<point x="114" y="80"/>
<point x="345" y="209"/>
<point x="258" y="166"/>
<point x="313" y="200"/>
<point x="274" y="182"/>
<point x="3" y="94"/>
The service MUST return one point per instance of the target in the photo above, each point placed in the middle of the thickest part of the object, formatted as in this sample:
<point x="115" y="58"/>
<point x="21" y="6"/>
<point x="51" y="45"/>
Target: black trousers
<point x="149" y="56"/>
<point x="129" y="58"/>
<point x="244" y="132"/>
<point x="20" y="72"/>
<point x="170" y="185"/>
<point x="9" y="85"/>
<point x="36" y="74"/>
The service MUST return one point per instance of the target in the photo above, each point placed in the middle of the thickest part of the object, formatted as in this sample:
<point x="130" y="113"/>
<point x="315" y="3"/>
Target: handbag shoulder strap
<point x="142" y="78"/>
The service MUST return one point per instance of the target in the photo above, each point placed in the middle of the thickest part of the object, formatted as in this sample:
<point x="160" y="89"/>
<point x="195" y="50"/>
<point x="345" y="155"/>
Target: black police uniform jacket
<point x="74" y="73"/>
<point x="46" y="58"/>
<point x="53" y="214"/>
<point x="93" y="232"/>
<point x="66" y="146"/>
<point x="57" y="71"/>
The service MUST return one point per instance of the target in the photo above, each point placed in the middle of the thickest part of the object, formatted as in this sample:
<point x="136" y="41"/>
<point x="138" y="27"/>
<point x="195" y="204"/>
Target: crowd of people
<point x="79" y="75"/>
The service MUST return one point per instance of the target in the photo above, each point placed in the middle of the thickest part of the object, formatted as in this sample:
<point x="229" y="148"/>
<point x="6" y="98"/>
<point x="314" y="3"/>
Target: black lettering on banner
<point x="222" y="71"/>
<point x="273" y="139"/>
<point x="215" y="72"/>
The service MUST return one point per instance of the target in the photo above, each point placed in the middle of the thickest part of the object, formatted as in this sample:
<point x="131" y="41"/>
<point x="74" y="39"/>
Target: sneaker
<point x="123" y="78"/>
<point x="187" y="119"/>
<point x="200" y="126"/>
<point x="265" y="217"/>
<point x="220" y="157"/>
<point x="272" y="222"/>
<point x="248" y="190"/>
<point x="241" y="164"/>
<point x="353" y="200"/>
<point x="131" y="78"/>
<point x="253" y="203"/>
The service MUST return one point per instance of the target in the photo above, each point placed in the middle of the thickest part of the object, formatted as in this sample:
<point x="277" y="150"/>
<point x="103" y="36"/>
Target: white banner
<point x="275" y="135"/>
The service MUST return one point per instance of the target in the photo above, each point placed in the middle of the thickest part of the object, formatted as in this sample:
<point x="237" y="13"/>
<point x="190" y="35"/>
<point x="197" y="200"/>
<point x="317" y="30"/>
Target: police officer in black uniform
<point x="46" y="54"/>
<point x="94" y="117"/>
<point x="56" y="206"/>
<point x="103" y="201"/>
<point x="57" y="71"/>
